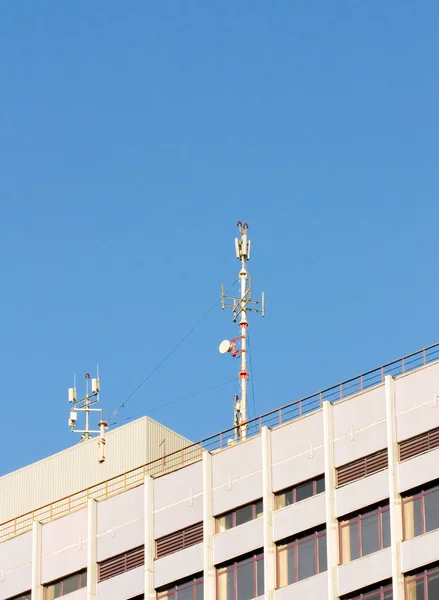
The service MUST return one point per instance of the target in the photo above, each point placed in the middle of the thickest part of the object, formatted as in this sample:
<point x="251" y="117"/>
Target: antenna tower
<point x="85" y="405"/>
<point x="238" y="346"/>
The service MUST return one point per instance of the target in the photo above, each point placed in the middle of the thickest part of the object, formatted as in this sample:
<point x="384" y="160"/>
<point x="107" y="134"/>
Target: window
<point x="300" y="492"/>
<point x="179" y="540"/>
<point x="186" y="589"/>
<point x="239" y="516"/>
<point x="66" y="585"/>
<point x="421" y="511"/>
<point x="429" y="440"/>
<point x="363" y="467"/>
<point x="301" y="557"/>
<point x="242" y="579"/>
<point x="121" y="563"/>
<point x="366" y="532"/>
<point x="424" y="585"/>
<point x="24" y="596"/>
<point x="376" y="592"/>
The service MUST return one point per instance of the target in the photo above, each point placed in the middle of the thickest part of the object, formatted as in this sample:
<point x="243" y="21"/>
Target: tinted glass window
<point x="417" y="516"/>
<point x="306" y="559"/>
<point x="258" y="508"/>
<point x="353" y="531"/>
<point x="386" y="528"/>
<point x="369" y="534"/>
<point x="260" y="577"/>
<point x="70" y="584"/>
<point x="245" y="582"/>
<point x="57" y="590"/>
<point x="200" y="591"/>
<point x="291" y="565"/>
<point x="431" y="511"/>
<point x="185" y="593"/>
<point x="243" y="515"/>
<point x="304" y="491"/>
<point x="230" y="584"/>
<point x="320" y="485"/>
<point x="433" y="586"/>
<point x="415" y="590"/>
<point x="323" y="563"/>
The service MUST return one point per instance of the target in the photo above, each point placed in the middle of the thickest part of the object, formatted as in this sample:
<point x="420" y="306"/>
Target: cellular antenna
<point x="85" y="405"/>
<point x="241" y="306"/>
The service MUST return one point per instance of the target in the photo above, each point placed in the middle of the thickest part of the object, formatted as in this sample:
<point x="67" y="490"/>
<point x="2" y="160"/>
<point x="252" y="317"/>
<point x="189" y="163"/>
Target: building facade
<point x="327" y="498"/>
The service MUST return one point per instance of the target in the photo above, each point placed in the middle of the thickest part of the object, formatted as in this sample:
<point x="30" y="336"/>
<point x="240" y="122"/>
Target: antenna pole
<point x="243" y="374"/>
<point x="241" y="306"/>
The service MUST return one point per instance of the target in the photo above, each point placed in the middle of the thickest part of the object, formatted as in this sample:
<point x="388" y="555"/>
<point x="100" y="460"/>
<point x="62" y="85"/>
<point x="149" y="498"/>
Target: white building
<point x="332" y="496"/>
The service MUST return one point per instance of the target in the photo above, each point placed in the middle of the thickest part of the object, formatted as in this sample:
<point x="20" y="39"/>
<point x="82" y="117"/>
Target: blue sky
<point x="135" y="135"/>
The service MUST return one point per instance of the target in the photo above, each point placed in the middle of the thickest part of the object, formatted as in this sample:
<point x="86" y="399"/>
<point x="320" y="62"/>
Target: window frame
<point x="357" y="518"/>
<point x="419" y="495"/>
<point x="172" y="592"/>
<point x="232" y="567"/>
<point x="295" y="542"/>
<point x="61" y="581"/>
<point x="420" y="576"/>
<point x="233" y="513"/>
<point x="293" y="489"/>
<point x="382" y="589"/>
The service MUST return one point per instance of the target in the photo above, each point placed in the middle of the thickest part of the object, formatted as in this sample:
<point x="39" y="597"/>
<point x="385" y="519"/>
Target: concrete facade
<point x="257" y="469"/>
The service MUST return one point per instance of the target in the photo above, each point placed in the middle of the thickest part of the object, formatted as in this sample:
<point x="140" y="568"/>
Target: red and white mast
<point x="238" y="346"/>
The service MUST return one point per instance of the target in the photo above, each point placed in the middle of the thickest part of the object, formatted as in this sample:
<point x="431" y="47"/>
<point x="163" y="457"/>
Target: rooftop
<point x="188" y="453"/>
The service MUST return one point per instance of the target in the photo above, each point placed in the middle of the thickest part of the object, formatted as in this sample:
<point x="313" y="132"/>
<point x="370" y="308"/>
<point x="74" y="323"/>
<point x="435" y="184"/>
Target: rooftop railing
<point x="193" y="452"/>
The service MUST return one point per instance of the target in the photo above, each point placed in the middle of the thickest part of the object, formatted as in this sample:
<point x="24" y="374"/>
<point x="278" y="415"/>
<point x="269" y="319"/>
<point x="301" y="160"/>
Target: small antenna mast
<point x="85" y="405"/>
<point x="241" y="306"/>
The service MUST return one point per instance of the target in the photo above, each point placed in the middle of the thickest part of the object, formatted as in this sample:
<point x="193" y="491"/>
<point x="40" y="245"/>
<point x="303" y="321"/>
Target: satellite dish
<point x="224" y="347"/>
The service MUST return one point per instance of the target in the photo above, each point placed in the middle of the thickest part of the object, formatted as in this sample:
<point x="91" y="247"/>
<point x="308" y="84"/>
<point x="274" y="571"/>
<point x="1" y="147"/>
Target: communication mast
<point x="85" y="405"/>
<point x="238" y="346"/>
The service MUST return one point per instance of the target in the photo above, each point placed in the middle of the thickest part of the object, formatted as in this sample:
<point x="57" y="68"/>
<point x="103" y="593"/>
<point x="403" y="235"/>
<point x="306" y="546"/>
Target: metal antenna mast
<point x="241" y="306"/>
<point x="85" y="405"/>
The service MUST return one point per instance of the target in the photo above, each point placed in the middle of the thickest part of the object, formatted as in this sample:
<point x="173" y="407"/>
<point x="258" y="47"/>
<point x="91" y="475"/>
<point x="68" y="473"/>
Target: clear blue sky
<point x="135" y="134"/>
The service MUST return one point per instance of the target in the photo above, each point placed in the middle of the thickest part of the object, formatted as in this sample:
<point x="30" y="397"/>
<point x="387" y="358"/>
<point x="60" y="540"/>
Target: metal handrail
<point x="193" y="453"/>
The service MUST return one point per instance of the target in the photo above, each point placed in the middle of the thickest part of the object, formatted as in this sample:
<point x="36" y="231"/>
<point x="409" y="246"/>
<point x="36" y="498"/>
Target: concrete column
<point x="331" y="520"/>
<point x="37" y="538"/>
<point x="208" y="529"/>
<point x="394" y="496"/>
<point x="92" y="550"/>
<point x="149" y="538"/>
<point x="267" y="499"/>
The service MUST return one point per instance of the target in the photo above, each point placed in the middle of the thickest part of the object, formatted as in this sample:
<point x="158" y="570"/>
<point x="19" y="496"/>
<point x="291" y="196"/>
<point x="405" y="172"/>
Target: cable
<point x="156" y="368"/>
<point x="252" y="375"/>
<point x="214" y="387"/>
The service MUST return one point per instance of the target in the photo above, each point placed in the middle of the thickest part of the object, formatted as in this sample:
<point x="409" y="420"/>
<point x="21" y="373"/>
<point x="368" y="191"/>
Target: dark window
<point x="300" y="492"/>
<point x="421" y="511"/>
<point x="363" y="467"/>
<point x="179" y="540"/>
<point x="423" y="585"/>
<point x="429" y="440"/>
<point x="66" y="585"/>
<point x="301" y="557"/>
<point x="24" y="596"/>
<point x="376" y="592"/>
<point x="238" y="516"/>
<point x="115" y="565"/>
<point x="186" y="589"/>
<point x="364" y="533"/>
<point x="242" y="579"/>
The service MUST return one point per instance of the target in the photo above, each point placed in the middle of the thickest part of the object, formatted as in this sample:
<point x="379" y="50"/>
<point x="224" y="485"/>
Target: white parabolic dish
<point x="224" y="347"/>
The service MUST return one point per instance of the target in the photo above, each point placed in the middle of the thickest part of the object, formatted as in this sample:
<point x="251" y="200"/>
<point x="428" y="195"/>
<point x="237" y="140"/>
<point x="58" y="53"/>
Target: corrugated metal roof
<point x="77" y="468"/>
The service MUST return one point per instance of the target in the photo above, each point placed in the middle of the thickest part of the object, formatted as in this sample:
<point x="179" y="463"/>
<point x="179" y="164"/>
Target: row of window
<point x="419" y="516"/>
<point x="243" y="579"/>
